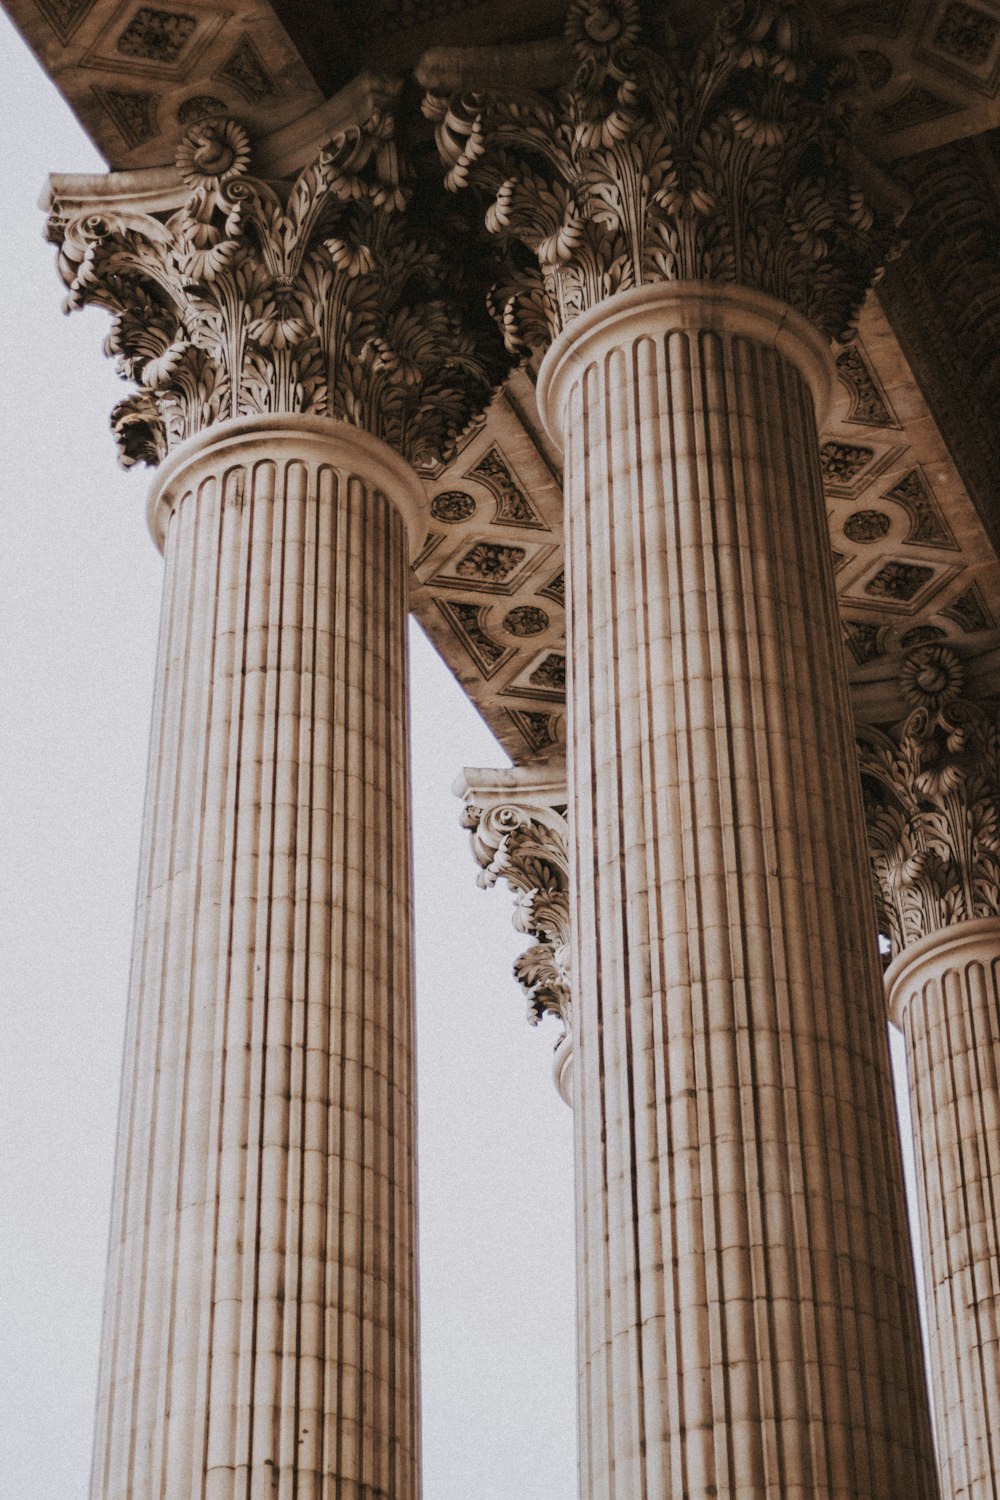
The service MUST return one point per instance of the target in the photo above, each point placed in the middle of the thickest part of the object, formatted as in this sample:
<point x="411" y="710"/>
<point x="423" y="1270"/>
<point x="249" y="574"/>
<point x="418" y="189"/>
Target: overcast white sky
<point x="79" y="597"/>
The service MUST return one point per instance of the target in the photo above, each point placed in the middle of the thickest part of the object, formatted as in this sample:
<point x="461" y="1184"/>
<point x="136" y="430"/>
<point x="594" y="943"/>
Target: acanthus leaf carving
<point x="521" y="838"/>
<point x="728" y="159"/>
<point x="932" y="804"/>
<point x="319" y="296"/>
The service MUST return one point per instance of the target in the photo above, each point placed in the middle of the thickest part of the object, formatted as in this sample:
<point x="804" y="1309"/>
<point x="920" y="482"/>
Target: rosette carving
<point x="321" y="295"/>
<point x="525" y="844"/>
<point x="932" y="803"/>
<point x="726" y="157"/>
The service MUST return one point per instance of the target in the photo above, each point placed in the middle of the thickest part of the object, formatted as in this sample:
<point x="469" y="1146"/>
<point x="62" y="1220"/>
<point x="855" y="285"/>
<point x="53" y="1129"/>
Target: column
<point x="260" y="1330"/>
<point x="517" y="825"/>
<point x="747" y="1317"/>
<point x="933" y="802"/>
<point x="734" y="1095"/>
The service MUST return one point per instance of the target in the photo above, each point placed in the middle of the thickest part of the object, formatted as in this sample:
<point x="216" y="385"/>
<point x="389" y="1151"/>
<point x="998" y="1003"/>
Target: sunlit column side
<point x="517" y="822"/>
<point x="686" y="214"/>
<point x="297" y="351"/>
<point x="746" y="1292"/>
<point x="933" y="804"/>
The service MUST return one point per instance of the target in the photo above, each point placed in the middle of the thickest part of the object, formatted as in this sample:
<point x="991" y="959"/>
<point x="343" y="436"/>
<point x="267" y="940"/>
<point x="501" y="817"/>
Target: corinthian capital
<point x="721" y="157"/>
<point x="319" y="296"/>
<point x="932" y="800"/>
<point x="517" y="820"/>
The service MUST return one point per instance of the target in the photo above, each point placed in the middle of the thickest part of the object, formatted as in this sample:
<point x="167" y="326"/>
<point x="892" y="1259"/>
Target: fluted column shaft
<point x="746" y="1303"/>
<point x="260" y="1323"/>
<point x="944" y="992"/>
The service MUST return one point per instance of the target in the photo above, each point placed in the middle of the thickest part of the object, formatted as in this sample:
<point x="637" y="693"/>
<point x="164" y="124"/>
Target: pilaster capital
<point x="932" y="804"/>
<point x="517" y="822"/>
<point x="331" y="295"/>
<point x="722" y="156"/>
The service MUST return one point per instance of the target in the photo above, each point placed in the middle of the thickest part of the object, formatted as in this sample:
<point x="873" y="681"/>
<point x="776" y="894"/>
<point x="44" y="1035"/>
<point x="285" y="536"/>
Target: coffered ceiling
<point x="137" y="73"/>
<point x="911" y="556"/>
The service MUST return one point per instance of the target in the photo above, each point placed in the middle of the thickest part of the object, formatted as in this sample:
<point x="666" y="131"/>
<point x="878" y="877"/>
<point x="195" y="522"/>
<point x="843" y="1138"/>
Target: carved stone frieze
<point x="490" y="562"/>
<point x="932" y="802"/>
<point x="723" y="158"/>
<point x="469" y="623"/>
<point x="453" y="507"/>
<point x="551" y="672"/>
<point x="246" y="69"/>
<point x="526" y="620"/>
<point x="556" y="588"/>
<point x="868" y="404"/>
<point x="318" y="296"/>
<point x="928" y="527"/>
<point x="843" y="463"/>
<point x="156" y="35"/>
<point x="867" y="526"/>
<point x="495" y="548"/>
<point x="513" y="506"/>
<point x="133" y="113"/>
<point x="918" y="106"/>
<point x="865" y="641"/>
<point x="969" y="611"/>
<point x="64" y="16"/>
<point x="540" y="731"/>
<point x="967" y="33"/>
<point x="517" y="823"/>
<point x="900" y="581"/>
<point x="200" y="107"/>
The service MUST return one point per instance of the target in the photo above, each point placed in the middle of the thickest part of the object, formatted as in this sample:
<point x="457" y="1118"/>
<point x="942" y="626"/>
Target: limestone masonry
<point x="650" y="354"/>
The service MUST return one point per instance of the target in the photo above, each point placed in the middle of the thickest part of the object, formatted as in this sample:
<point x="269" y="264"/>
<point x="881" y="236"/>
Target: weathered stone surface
<point x="260" y="1321"/>
<point x="944" y="991"/>
<point x="739" y="1294"/>
<point x="517" y="823"/>
<point x="317" y="296"/>
<point x="726" y="158"/>
<point x="932" y="802"/>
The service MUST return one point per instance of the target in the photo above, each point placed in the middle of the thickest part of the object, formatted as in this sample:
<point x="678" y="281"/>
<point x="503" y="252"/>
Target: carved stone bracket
<point x="322" y="296"/>
<point x="723" y="155"/>
<point x="932" y="803"/>
<point x="517" y="820"/>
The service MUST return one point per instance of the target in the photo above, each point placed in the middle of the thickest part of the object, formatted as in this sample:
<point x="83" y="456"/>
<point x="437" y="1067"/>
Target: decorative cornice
<point x="517" y="822"/>
<point x="320" y="296"/>
<point x="729" y="158"/>
<point x="932" y="803"/>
